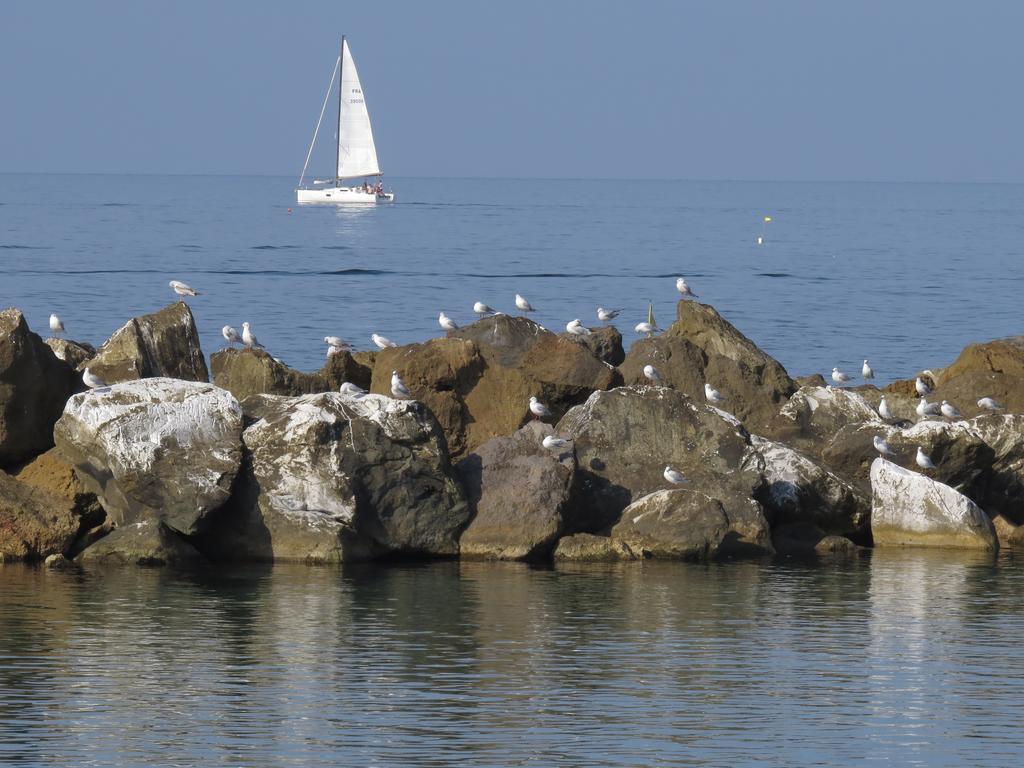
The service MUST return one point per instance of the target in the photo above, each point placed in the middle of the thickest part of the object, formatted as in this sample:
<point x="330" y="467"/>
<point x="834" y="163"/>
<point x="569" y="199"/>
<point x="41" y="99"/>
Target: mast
<point x="337" y="138"/>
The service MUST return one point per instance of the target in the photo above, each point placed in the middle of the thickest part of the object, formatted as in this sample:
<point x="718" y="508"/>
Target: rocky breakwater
<point x="695" y="445"/>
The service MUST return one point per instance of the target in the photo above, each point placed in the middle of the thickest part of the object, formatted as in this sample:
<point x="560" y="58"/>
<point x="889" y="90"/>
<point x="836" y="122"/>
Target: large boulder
<point x="161" y="449"/>
<point x="145" y="542"/>
<point x="799" y="489"/>
<point x="165" y="343"/>
<point x="814" y="415"/>
<point x="1000" y="490"/>
<point x="604" y="342"/>
<point x="34" y="385"/>
<point x="50" y="473"/>
<point x="989" y="369"/>
<point x="74" y="353"/>
<point x="333" y="478"/>
<point x="518" y="491"/>
<point x="702" y="346"/>
<point x="247" y="372"/>
<point x="911" y="510"/>
<point x="33" y="522"/>
<point x="625" y="437"/>
<point x="685" y="524"/>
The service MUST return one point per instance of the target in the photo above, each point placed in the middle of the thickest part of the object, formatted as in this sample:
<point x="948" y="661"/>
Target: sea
<point x="889" y="658"/>
<point x="904" y="275"/>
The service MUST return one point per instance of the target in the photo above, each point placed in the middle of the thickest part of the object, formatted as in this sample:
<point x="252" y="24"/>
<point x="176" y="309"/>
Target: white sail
<point x="357" y="155"/>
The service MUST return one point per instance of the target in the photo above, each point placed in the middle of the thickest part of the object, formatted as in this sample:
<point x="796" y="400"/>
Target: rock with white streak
<point x="154" y="449"/>
<point x="814" y="414"/>
<point x="909" y="509"/>
<point x="333" y="478"/>
<point x="1000" y="490"/>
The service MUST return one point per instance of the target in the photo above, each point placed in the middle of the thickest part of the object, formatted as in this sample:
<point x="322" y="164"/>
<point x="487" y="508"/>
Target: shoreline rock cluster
<point x="267" y="463"/>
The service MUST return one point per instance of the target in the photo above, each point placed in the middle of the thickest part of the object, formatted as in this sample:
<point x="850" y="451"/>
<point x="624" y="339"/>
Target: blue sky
<point x="723" y="89"/>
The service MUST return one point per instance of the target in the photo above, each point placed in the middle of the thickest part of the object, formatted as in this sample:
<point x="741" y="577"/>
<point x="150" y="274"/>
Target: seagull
<point x="92" y="381"/>
<point x="712" y="395"/>
<point x="653" y="374"/>
<point x="924" y="408"/>
<point x="554" y="443"/>
<point x="882" y="447"/>
<point x="866" y="371"/>
<point x="924" y="461"/>
<point x="883" y="409"/>
<point x="839" y="377"/>
<point x="348" y="388"/>
<point x="381" y="342"/>
<point x="538" y="409"/>
<point x="674" y="476"/>
<point x="56" y="325"/>
<point x="447" y="323"/>
<point x="333" y="350"/>
<point x="182" y="289"/>
<point x="336" y="341"/>
<point x="949" y="410"/>
<point x="648" y="328"/>
<point x="248" y="337"/>
<point x="988" y="404"/>
<point x="922" y="386"/>
<point x="482" y="309"/>
<point x="576" y="328"/>
<point x="683" y="288"/>
<point x="230" y="335"/>
<point x="604" y="315"/>
<point x="398" y="388"/>
<point x="523" y="304"/>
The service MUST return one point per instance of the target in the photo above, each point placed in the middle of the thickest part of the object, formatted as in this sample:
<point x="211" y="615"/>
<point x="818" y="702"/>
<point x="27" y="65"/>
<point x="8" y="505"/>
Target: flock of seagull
<point x="399" y="389"/>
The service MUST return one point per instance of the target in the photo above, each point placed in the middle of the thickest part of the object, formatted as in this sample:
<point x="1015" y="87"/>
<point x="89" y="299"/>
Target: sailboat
<point x="357" y="155"/>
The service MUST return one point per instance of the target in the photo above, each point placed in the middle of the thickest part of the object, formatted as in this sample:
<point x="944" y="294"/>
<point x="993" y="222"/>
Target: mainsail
<point x="357" y="155"/>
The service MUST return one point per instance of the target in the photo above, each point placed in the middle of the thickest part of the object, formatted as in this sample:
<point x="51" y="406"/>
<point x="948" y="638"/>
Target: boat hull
<point x="342" y="195"/>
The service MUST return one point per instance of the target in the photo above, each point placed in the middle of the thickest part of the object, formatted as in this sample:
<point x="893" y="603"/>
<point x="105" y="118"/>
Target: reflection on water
<point x="906" y="658"/>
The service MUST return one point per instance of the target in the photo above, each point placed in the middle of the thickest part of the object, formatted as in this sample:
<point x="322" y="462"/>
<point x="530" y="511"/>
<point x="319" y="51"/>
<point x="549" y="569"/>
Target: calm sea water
<point x="904" y="274"/>
<point x="909" y="658"/>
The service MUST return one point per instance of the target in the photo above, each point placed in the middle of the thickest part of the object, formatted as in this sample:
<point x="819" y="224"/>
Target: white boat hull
<point x="342" y="195"/>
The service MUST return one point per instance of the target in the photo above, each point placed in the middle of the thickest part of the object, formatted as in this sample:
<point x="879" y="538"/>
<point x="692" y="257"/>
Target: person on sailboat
<point x="379" y="189"/>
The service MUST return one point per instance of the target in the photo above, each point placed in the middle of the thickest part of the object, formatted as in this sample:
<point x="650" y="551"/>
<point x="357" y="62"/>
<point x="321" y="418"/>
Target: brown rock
<point x="165" y="343"/>
<point x="604" y="342"/>
<point x="49" y="472"/>
<point x="588" y="548"/>
<point x="34" y="523"/>
<point x="74" y="353"/>
<point x="247" y="372"/>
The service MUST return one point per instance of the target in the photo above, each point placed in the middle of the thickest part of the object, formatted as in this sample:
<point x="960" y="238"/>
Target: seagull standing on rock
<point x="382" y="342"/>
<point x="653" y="374"/>
<point x="482" y="309"/>
<point x="523" y="305"/>
<point x="712" y="395"/>
<point x="921" y="386"/>
<point x="248" y="337"/>
<point x="553" y="443"/>
<point x="867" y="372"/>
<point x="673" y="476"/>
<point x="988" y="404"/>
<point x="924" y="408"/>
<point x="883" y="410"/>
<point x="447" y="323"/>
<point x="352" y="390"/>
<point x="839" y="377"/>
<point x="92" y="381"/>
<point x="882" y="447"/>
<point x="604" y="315"/>
<point x="56" y="324"/>
<point x="684" y="289"/>
<point x="949" y="410"/>
<point x="648" y="328"/>
<point x="924" y="461"/>
<point x="230" y="335"/>
<point x="576" y="328"/>
<point x="538" y="409"/>
<point x="336" y="341"/>
<point x="183" y="290"/>
<point x="398" y="388"/>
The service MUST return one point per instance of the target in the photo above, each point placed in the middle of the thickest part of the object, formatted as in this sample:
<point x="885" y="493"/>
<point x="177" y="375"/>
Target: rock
<point x="625" y="437"/>
<point x="247" y="372"/>
<point x="686" y="524"/>
<point x="1004" y="529"/>
<point x="808" y="540"/>
<point x="165" y="343"/>
<point x="811" y="380"/>
<point x="518" y="492"/>
<point x="146" y="542"/>
<point x="74" y="353"/>
<point x="604" y="342"/>
<point x="34" y="385"/>
<point x="960" y="455"/>
<point x="990" y="369"/>
<point x="588" y="548"/>
<point x="34" y="523"/>
<point x="701" y="346"/>
<point x="51" y="473"/>
<point x="814" y="415"/>
<point x="332" y="478"/>
<point x="909" y="509"/>
<point x="154" y="449"/>
<point x="1000" y="490"/>
<point x="797" y="489"/>
<point x="58" y="562"/>
<point x="1016" y="538"/>
<point x="835" y="545"/>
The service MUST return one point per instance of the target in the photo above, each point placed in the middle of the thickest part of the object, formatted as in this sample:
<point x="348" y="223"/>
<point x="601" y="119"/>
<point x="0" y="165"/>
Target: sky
<point x="722" y="89"/>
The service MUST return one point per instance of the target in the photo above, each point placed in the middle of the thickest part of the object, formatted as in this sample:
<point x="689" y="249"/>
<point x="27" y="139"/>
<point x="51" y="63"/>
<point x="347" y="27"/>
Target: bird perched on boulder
<point x="949" y="410"/>
<point x="882" y="447"/>
<point x="883" y="409"/>
<point x="554" y="443"/>
<point x="839" y="377"/>
<point x="56" y="324"/>
<point x="604" y="315"/>
<point x="352" y="390"/>
<point x="523" y="305"/>
<point x="653" y="374"/>
<point x="381" y="341"/>
<point x="482" y="309"/>
<point x="924" y="461"/>
<point x="988" y="404"/>
<point x="673" y="476"/>
<point x="712" y="395"/>
<point x="398" y="388"/>
<point x="92" y="381"/>
<point x="538" y="409"/>
<point x="230" y="335"/>
<point x="684" y="289"/>
<point x="248" y="337"/>
<point x="183" y="290"/>
<point x="867" y="372"/>
<point x="447" y="323"/>
<point x="576" y="328"/>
